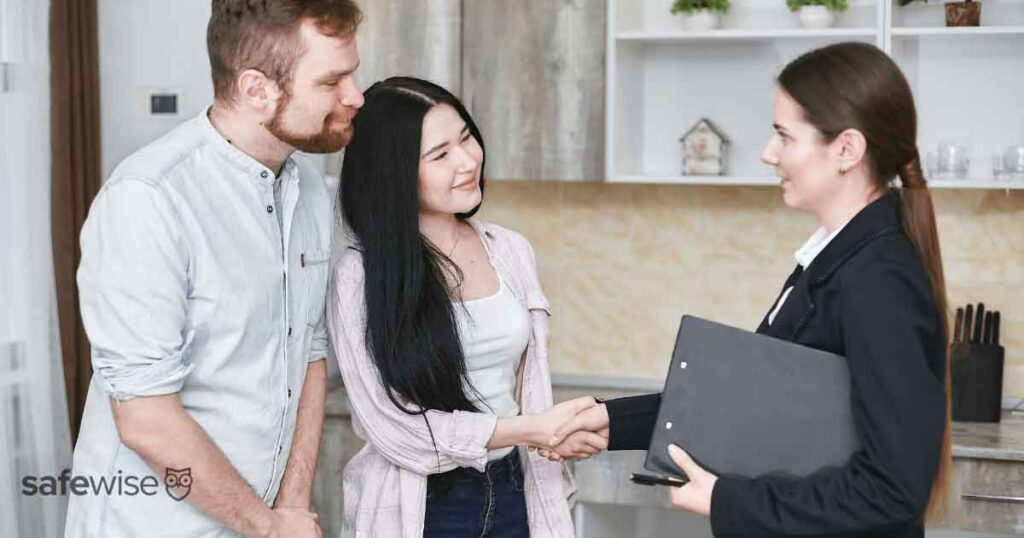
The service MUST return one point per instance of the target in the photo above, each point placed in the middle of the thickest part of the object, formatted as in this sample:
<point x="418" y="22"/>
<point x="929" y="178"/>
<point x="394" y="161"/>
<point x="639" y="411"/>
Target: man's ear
<point x="257" y="91"/>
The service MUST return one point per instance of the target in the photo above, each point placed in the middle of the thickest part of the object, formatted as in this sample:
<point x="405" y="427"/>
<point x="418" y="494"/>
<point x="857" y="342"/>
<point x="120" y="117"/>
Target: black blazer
<point x="867" y="297"/>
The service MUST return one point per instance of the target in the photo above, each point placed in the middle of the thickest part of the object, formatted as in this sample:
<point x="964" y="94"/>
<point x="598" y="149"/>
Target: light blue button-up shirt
<point x="188" y="285"/>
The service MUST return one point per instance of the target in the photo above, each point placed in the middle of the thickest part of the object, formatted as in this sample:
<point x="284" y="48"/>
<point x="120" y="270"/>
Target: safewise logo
<point x="177" y="484"/>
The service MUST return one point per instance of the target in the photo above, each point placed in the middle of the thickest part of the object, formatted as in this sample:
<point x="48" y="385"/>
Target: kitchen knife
<point x="979" y="320"/>
<point x="995" y="328"/>
<point x="968" y="323"/>
<point x="958" y="325"/>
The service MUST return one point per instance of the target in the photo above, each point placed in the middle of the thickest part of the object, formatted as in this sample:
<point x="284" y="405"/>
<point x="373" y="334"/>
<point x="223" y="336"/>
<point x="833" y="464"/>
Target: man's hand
<point x="293" y="522"/>
<point x="297" y="482"/>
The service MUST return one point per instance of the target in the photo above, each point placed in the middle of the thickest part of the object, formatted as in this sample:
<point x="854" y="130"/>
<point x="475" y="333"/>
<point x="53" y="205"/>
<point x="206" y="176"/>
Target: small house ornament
<point x="705" y="149"/>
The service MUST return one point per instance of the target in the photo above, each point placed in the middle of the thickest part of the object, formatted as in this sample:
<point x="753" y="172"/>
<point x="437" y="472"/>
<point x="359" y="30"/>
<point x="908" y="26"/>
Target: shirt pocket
<point x="314" y="273"/>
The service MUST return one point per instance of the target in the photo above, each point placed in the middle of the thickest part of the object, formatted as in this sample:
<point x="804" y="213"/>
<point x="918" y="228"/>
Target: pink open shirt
<point x="385" y="484"/>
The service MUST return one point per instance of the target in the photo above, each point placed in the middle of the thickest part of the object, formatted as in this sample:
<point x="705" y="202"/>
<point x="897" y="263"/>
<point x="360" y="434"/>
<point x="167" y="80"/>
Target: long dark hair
<point x="411" y="330"/>
<point x="856" y="85"/>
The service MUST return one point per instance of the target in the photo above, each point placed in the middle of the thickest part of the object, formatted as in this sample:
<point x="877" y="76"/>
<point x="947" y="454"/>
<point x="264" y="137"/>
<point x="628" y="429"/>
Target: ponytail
<point x="918" y="216"/>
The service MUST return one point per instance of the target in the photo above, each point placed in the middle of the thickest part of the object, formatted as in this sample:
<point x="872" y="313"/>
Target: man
<point x="203" y="283"/>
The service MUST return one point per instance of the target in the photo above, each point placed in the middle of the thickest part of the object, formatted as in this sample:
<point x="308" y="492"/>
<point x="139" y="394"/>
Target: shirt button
<point x="264" y="174"/>
<point x="289" y="393"/>
<point x="289" y="331"/>
<point x="270" y="209"/>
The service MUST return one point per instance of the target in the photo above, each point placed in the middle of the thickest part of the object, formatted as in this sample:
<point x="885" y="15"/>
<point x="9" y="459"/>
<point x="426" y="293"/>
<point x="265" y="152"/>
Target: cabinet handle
<point x="993" y="498"/>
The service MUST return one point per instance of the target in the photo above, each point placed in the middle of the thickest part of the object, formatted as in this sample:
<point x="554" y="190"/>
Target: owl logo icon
<point x="180" y="479"/>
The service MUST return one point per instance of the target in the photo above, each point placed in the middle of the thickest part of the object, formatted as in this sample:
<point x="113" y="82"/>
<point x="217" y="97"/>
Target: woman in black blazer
<point x="869" y="287"/>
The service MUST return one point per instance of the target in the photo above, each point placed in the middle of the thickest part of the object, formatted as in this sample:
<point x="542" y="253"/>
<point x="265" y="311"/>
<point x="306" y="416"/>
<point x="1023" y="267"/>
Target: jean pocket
<point x="516" y="476"/>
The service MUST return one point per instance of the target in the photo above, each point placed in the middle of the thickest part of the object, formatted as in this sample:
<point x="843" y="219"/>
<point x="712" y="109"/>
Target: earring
<point x="842" y="169"/>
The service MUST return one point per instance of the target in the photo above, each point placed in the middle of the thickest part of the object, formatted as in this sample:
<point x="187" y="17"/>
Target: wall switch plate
<point x="160" y="103"/>
<point x="163" y="104"/>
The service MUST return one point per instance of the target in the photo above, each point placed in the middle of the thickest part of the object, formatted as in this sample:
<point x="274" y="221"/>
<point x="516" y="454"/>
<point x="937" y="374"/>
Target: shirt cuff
<point x="318" y="349"/>
<point x="469" y="439"/>
<point x="124" y="378"/>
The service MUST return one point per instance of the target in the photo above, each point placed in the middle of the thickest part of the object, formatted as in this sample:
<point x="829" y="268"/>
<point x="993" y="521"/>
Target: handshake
<point x="572" y="430"/>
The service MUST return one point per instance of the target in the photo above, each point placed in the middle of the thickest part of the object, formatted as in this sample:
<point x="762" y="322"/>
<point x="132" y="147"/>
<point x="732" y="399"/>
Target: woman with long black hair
<point x="440" y="327"/>
<point x="869" y="286"/>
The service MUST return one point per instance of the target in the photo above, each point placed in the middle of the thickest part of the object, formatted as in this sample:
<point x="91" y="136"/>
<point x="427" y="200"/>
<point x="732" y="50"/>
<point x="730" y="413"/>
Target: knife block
<point x="977" y="382"/>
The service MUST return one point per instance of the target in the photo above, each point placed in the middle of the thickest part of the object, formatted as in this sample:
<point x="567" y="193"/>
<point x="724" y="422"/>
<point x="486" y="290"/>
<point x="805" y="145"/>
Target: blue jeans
<point x="465" y="502"/>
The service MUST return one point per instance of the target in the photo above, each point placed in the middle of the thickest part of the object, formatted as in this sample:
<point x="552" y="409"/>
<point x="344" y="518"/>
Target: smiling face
<point x="314" y="113"/>
<point x="450" y="163"/>
<point x="807" y="164"/>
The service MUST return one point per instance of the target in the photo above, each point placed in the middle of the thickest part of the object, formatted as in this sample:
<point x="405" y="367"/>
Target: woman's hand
<point x="549" y="422"/>
<point x="592" y="419"/>
<point x="695" y="496"/>
<point x="577" y="446"/>
<point x="536" y="430"/>
<point x="581" y="437"/>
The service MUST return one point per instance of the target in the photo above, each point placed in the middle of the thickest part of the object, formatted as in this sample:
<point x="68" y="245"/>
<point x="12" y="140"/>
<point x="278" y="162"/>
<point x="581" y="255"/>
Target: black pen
<point x="649" y="480"/>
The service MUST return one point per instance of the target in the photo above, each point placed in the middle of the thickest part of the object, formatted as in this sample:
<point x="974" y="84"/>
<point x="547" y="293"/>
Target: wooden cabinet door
<point x="533" y="78"/>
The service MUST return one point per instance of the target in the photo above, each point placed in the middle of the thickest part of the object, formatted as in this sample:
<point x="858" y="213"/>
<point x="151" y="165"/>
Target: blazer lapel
<point x="763" y="327"/>
<point x="878" y="219"/>
<point x="794" y="312"/>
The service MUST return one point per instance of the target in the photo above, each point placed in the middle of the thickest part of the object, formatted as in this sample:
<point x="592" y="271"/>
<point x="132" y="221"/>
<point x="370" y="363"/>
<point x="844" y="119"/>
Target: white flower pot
<point x="815" y="17"/>
<point x="701" y="20"/>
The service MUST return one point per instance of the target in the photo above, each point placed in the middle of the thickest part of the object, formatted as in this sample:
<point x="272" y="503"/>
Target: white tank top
<point x="495" y="331"/>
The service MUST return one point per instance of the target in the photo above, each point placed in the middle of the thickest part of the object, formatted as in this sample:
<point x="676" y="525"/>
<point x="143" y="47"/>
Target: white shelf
<point x="661" y="79"/>
<point x="745" y="34"/>
<point x="979" y="183"/>
<point x="919" y="31"/>
<point x="753" y="181"/>
<point x="696" y="180"/>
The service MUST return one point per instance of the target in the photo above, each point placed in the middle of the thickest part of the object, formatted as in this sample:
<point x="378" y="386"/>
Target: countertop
<point x="996" y="441"/>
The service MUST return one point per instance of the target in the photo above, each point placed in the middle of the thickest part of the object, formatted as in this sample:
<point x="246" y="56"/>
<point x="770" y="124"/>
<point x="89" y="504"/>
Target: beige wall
<point x="621" y="263"/>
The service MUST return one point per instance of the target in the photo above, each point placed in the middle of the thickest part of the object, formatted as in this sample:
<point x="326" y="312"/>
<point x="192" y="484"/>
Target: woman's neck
<point x="442" y="229"/>
<point x="846" y="204"/>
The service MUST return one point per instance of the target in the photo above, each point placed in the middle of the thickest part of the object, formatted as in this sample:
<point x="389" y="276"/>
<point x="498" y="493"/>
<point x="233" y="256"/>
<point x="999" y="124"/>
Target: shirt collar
<point x="815" y="244"/>
<point x="243" y="161"/>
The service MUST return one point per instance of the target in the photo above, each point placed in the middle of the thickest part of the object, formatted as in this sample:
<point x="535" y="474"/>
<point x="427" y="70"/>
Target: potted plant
<point x="700" y="15"/>
<point x="966" y="13"/>
<point x="817" y="13"/>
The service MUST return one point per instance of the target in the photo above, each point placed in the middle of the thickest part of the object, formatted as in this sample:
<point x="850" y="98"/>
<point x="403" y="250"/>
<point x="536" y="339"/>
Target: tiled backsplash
<point x="621" y="263"/>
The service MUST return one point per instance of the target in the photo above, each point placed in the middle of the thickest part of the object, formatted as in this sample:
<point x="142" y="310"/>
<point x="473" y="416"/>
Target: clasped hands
<point x="574" y="430"/>
<point x="579" y="430"/>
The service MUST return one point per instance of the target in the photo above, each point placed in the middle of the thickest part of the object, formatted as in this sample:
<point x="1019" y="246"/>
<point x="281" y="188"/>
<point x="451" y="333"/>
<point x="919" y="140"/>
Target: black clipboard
<point x="747" y="404"/>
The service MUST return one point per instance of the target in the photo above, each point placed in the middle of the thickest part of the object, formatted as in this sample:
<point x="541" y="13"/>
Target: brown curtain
<point x="75" y="148"/>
